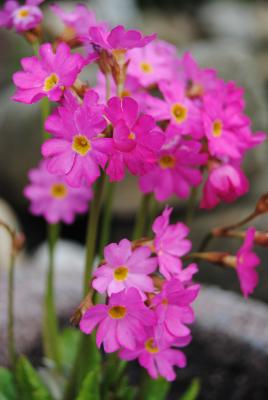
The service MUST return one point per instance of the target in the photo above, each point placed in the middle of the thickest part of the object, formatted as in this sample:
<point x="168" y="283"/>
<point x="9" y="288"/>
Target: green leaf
<point x="156" y="389"/>
<point x="7" y="386"/>
<point x="193" y="391"/>
<point x="90" y="386"/>
<point x="69" y="341"/>
<point x="30" y="385"/>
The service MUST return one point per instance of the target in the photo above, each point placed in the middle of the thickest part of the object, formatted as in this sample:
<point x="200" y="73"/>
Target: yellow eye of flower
<point x="50" y="82"/>
<point x="167" y="161"/>
<point x="151" y="347"/>
<point x="146" y="67"/>
<point x="132" y="136"/>
<point x="23" y="13"/>
<point x="58" y="191"/>
<point x="121" y="273"/>
<point x="179" y="112"/>
<point x="217" y="128"/>
<point x="117" y="312"/>
<point x="81" y="145"/>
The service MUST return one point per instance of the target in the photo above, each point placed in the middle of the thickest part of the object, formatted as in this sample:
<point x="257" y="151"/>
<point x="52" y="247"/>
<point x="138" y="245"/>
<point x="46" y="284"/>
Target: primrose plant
<point x="182" y="131"/>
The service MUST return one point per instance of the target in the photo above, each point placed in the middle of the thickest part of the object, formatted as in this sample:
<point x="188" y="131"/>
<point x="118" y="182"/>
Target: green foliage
<point x="30" y="385"/>
<point x="155" y="389"/>
<point x="7" y="386"/>
<point x="90" y="389"/>
<point x="193" y="391"/>
<point x="69" y="341"/>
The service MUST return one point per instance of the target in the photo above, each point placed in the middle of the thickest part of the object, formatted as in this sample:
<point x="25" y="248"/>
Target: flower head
<point x="117" y="40"/>
<point x="150" y="63"/>
<point x="225" y="183"/>
<point x="158" y="360"/>
<point x="175" y="170"/>
<point x="21" y="17"/>
<point x="170" y="244"/>
<point x="136" y="138"/>
<point x="121" y="323"/>
<point x="79" y="20"/>
<point x="52" y="198"/>
<point x="246" y="263"/>
<point x="76" y="151"/>
<point x="125" y="268"/>
<point x="47" y="75"/>
<point x="173" y="310"/>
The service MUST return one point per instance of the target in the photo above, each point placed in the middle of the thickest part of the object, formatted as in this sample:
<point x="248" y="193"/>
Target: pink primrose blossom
<point x="118" y="39"/>
<point x="21" y="17"/>
<point x="52" y="198"/>
<point x="136" y="138"/>
<point x="151" y="63"/>
<point x="247" y="261"/>
<point x="170" y="244"/>
<point x="177" y="108"/>
<point x="76" y="149"/>
<point x="225" y="183"/>
<point x="125" y="268"/>
<point x="121" y="323"/>
<point x="47" y="75"/>
<point x="177" y="168"/>
<point x="158" y="360"/>
<point x="198" y="81"/>
<point x="79" y="20"/>
<point x="173" y="310"/>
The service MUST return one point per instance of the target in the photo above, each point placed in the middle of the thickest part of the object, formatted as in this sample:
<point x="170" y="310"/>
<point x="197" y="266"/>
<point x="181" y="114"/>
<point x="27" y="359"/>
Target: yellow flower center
<point x="167" y="161"/>
<point x="150" y="346"/>
<point x="194" y="90"/>
<point x="146" y="67"/>
<point x="23" y="13"/>
<point x="217" y="128"/>
<point x="50" y="82"/>
<point x="179" y="112"/>
<point x="165" y="302"/>
<point x="58" y="191"/>
<point x="81" y="145"/>
<point x="132" y="136"/>
<point x="121" y="273"/>
<point x="117" y="312"/>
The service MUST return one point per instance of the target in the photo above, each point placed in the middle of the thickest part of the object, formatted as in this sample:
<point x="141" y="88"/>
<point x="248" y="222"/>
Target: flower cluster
<point x="149" y="296"/>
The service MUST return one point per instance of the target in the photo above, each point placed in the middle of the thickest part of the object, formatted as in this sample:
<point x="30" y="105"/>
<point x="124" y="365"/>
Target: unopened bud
<point x="262" y="205"/>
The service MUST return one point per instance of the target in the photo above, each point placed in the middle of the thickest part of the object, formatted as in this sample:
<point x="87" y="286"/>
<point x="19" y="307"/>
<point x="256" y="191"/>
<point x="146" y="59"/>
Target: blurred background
<point x="231" y="36"/>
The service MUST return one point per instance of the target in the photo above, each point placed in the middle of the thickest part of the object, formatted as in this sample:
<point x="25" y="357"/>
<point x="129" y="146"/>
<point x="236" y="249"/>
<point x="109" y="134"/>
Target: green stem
<point x="10" y="327"/>
<point x="50" y="321"/>
<point x="154" y="206"/>
<point x="45" y="110"/>
<point x="191" y="206"/>
<point x="107" y="215"/>
<point x="92" y="229"/>
<point x="142" y="216"/>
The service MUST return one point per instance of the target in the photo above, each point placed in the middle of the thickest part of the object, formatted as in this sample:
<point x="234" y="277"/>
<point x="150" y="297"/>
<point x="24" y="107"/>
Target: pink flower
<point x="121" y="323"/>
<point x="159" y="360"/>
<point x="170" y="244"/>
<point x="173" y="310"/>
<point x="118" y="39"/>
<point x="136" y="138"/>
<point x="76" y="151"/>
<point x="48" y="75"/>
<point x="198" y="82"/>
<point x="52" y="198"/>
<point x="247" y="261"/>
<point x="225" y="183"/>
<point x="21" y="17"/>
<point x="151" y="63"/>
<point x="124" y="268"/>
<point x="79" y="20"/>
<point x="176" y="108"/>
<point x="176" y="168"/>
<point x="223" y="124"/>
